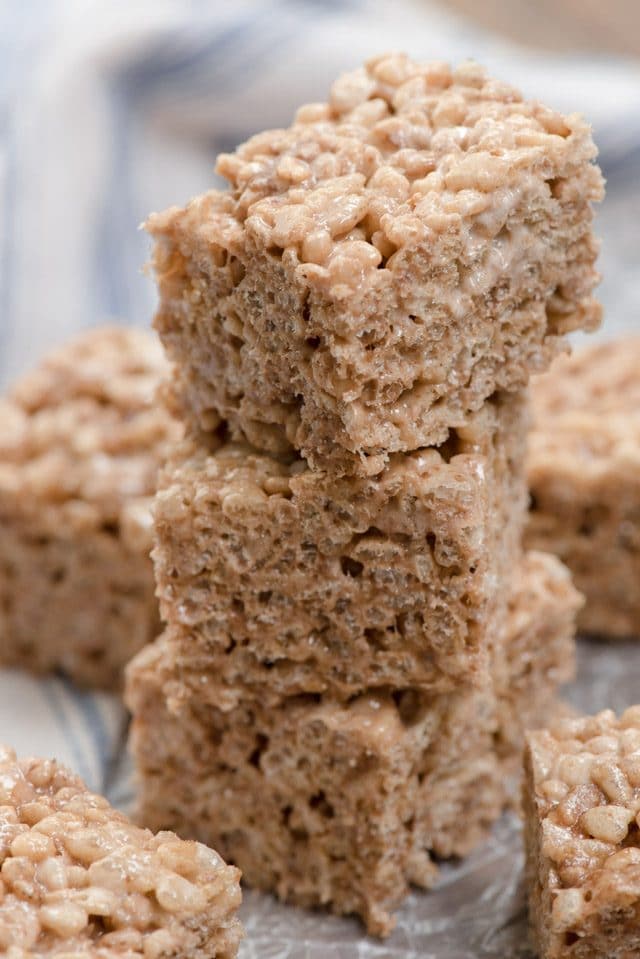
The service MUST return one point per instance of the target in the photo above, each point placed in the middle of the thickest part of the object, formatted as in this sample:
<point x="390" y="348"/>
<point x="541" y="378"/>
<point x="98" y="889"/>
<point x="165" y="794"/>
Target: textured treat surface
<point x="584" y="475"/>
<point x="287" y="580"/>
<point x="582" y="799"/>
<point x="537" y="653"/>
<point x="322" y="802"/>
<point x="342" y="802"/>
<point x="81" y="441"/>
<point x="382" y="266"/>
<point x="79" y="879"/>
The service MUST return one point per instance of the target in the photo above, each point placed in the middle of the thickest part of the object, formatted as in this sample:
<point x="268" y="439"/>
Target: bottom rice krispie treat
<point x="325" y="803"/>
<point x="79" y="881"/>
<point x="584" y="475"/>
<point x="341" y="802"/>
<point x="582" y="806"/>
<point x="81" y="440"/>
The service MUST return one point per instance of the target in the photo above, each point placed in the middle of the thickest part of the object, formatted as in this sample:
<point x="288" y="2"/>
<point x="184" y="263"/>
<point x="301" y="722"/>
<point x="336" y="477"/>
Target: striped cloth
<point x="109" y="110"/>
<point x="85" y="730"/>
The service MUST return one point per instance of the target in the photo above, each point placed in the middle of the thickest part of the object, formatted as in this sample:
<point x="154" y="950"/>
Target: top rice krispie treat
<point x="584" y="476"/>
<point x="382" y="266"/>
<point x="582" y="804"/>
<point x="78" y="879"/>
<point x="81" y="440"/>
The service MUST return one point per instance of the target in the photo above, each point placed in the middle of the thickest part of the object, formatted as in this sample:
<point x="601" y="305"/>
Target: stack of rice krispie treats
<point x="354" y="636"/>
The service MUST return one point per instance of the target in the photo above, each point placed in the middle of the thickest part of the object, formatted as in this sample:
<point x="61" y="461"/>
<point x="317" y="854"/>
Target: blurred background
<point x="109" y="110"/>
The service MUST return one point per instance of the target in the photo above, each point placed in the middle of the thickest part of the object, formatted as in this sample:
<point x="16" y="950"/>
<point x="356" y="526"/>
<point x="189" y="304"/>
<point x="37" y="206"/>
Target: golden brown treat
<point x="341" y="803"/>
<point x="81" y="441"/>
<point x="283" y="580"/>
<point x="584" y="475"/>
<point x="537" y="655"/>
<point x="79" y="879"/>
<point x="543" y="603"/>
<point x="381" y="267"/>
<point x="582" y="802"/>
<point x="321" y="802"/>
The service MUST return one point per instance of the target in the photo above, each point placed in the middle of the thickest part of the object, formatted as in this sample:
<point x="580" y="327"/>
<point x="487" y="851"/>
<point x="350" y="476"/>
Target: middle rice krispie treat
<point x="382" y="266"/>
<point x="584" y="474"/>
<point x="341" y="802"/>
<point x="81" y="441"/>
<point x="285" y="580"/>
<point x="582" y="804"/>
<point x="79" y="880"/>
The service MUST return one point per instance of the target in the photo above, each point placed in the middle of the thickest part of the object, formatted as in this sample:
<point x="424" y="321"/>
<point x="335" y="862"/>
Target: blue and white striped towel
<point x="50" y="717"/>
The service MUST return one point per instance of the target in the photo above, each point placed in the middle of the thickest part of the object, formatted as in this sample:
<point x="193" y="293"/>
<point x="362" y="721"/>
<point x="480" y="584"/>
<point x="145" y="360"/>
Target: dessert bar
<point x="536" y="655"/>
<point x="380" y="268"/>
<point x="584" y="474"/>
<point x="79" y="879"/>
<point x="81" y="441"/>
<point x="582" y="802"/>
<point x="286" y="580"/>
<point x="322" y="802"/>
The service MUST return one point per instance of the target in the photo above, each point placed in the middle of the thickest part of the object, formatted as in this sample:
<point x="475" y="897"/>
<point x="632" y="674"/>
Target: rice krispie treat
<point x="582" y="799"/>
<point x="381" y="267"/>
<point x="78" y="879"/>
<point x="81" y="441"/>
<point x="342" y="802"/>
<point x="537" y="654"/>
<point x="322" y="802"/>
<point x="291" y="581"/>
<point x="584" y="474"/>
